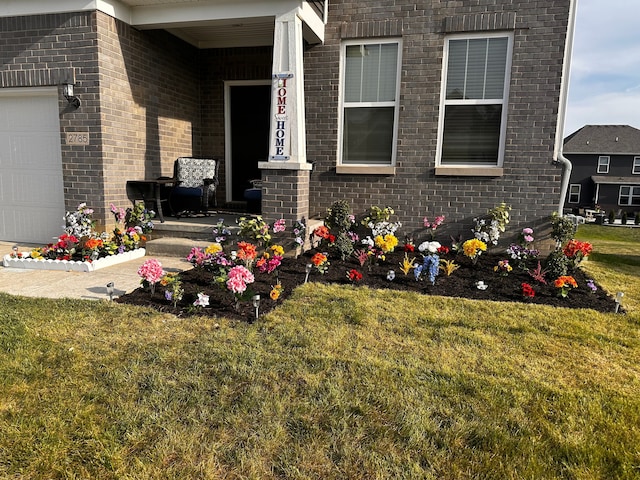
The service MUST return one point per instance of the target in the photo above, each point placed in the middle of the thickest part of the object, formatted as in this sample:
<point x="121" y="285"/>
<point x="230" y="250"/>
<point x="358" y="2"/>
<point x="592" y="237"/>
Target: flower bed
<point x="81" y="249"/>
<point x="72" y="265"/>
<point x="462" y="283"/>
<point x="232" y="280"/>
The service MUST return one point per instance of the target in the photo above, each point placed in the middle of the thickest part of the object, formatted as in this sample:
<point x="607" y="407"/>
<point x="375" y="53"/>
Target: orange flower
<point x="246" y="251"/>
<point x="318" y="259"/>
<point x="93" y="243"/>
<point x="565" y="281"/>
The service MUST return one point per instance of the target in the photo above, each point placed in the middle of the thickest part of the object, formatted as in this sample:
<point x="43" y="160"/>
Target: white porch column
<point x="287" y="149"/>
<point x="286" y="174"/>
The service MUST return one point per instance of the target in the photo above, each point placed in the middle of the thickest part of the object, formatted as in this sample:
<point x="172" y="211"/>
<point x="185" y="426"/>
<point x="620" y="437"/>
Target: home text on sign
<point x="281" y="119"/>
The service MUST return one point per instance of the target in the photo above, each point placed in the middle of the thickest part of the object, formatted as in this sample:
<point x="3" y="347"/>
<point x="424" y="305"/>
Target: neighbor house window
<point x="474" y="100"/>
<point x="369" y="102"/>
<point x="574" y="193"/>
<point x="603" y="164"/>
<point x="636" y="165"/>
<point x="629" y="196"/>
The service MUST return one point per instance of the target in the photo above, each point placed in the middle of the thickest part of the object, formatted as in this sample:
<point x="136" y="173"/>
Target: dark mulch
<point x="292" y="273"/>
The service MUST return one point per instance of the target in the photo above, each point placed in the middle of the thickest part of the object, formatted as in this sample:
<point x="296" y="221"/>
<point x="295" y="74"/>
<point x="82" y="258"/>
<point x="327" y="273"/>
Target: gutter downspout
<point x="558" y="155"/>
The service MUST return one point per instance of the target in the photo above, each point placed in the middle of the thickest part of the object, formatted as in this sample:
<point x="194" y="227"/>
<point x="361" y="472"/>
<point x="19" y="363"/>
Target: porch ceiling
<point x="203" y="23"/>
<point x="215" y="23"/>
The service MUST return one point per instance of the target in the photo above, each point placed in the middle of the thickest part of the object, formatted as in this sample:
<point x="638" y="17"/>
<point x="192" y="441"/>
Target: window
<point x="574" y="193"/>
<point x="474" y="100"/>
<point x="369" y="102"/>
<point x="603" y="164"/>
<point x="636" y="165"/>
<point x="629" y="196"/>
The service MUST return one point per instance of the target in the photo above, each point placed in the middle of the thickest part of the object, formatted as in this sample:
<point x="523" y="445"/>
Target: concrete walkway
<point x="82" y="285"/>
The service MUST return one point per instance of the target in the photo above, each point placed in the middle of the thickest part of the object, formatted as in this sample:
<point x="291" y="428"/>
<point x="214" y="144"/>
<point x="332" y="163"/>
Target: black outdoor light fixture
<point x="67" y="91"/>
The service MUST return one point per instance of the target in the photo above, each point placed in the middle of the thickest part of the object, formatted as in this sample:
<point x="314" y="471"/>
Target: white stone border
<point x="71" y="265"/>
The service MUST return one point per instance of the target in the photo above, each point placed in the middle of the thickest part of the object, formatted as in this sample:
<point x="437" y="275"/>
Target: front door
<point x="248" y="113"/>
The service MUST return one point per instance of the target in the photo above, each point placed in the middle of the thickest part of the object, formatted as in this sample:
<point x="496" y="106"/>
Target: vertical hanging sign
<point x="280" y="129"/>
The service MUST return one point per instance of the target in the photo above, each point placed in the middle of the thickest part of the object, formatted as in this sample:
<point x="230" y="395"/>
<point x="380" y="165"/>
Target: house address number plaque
<point x="78" y="138"/>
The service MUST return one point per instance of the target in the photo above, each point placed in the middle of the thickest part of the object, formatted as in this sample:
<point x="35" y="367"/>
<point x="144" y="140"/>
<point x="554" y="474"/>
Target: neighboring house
<point x="606" y="168"/>
<point x="432" y="107"/>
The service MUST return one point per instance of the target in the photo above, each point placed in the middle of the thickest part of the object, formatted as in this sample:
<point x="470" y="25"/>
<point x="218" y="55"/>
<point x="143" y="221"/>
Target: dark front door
<point x="249" y="115"/>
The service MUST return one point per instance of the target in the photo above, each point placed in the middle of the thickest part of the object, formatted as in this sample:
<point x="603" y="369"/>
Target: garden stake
<point x="256" y="304"/>
<point x="110" y="290"/>
<point x="619" y="296"/>
<point x="307" y="271"/>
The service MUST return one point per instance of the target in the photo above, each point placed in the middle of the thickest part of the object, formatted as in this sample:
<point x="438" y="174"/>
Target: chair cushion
<point x="253" y="194"/>
<point x="187" y="191"/>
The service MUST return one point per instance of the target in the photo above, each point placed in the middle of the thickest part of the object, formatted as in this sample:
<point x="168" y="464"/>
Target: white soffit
<point x="203" y="23"/>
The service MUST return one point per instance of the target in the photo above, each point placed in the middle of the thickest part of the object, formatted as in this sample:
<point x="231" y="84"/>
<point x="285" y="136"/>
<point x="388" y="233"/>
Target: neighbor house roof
<point x="604" y="140"/>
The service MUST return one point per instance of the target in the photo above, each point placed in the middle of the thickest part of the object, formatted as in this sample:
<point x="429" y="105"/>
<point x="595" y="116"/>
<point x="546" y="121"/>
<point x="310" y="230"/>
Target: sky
<point x="604" y="85"/>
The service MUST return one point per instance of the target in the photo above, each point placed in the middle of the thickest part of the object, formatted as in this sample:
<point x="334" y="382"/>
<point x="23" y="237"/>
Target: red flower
<point x="332" y="239"/>
<point x="354" y="275"/>
<point x="409" y="247"/>
<point x="322" y="232"/>
<point x="528" y="291"/>
<point x="443" y="250"/>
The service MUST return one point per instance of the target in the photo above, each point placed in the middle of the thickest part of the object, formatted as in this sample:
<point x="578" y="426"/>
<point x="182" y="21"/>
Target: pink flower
<point x="279" y="226"/>
<point x="238" y="279"/>
<point x="151" y="271"/>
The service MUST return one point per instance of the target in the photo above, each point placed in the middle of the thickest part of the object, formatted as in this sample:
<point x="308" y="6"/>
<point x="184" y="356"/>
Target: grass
<point x="338" y="383"/>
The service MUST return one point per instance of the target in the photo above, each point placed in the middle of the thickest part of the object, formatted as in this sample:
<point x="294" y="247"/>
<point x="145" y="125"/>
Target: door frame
<point x="227" y="127"/>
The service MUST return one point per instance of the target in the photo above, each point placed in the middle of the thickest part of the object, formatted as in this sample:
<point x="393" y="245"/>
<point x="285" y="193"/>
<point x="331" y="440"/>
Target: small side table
<point x="150" y="191"/>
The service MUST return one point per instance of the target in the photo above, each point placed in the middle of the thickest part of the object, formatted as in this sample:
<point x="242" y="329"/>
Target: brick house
<point x="606" y="168"/>
<point x="432" y="107"/>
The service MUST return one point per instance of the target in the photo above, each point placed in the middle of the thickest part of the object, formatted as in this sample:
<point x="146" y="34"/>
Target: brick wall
<point x="149" y="103"/>
<point x="531" y="184"/>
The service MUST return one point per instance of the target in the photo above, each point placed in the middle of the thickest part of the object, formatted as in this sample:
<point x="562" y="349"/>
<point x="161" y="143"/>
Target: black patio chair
<point x="196" y="182"/>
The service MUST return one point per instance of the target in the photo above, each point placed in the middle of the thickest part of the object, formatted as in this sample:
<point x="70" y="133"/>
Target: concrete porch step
<point x="176" y="238"/>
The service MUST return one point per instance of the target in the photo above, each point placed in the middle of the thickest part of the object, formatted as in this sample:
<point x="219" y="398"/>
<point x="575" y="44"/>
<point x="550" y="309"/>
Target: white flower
<point x="368" y="241"/>
<point x="429" y="247"/>
<point x="202" y="301"/>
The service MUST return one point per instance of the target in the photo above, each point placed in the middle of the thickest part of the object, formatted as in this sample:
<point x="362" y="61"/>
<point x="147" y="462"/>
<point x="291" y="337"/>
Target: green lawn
<point x="338" y="383"/>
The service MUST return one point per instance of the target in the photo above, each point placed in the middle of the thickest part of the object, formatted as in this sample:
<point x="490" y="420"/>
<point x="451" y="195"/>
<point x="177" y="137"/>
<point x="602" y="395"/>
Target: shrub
<point x="637" y="218"/>
<point x="612" y="217"/>
<point x="339" y="218"/>
<point x="557" y="264"/>
<point x="343" y="245"/>
<point x="624" y="218"/>
<point x="562" y="229"/>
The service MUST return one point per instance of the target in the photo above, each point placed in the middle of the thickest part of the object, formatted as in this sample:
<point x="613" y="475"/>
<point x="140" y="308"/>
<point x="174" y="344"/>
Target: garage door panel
<point x="22" y="226"/>
<point x="41" y="153"/>
<point x="34" y="189"/>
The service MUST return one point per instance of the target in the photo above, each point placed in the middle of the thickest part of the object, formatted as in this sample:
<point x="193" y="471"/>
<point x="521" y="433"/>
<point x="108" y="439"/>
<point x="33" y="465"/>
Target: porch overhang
<point x="607" y="180"/>
<point x="202" y="23"/>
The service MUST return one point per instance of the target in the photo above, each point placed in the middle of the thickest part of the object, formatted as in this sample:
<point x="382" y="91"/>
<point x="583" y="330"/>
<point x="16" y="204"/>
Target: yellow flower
<point x="277" y="250"/>
<point x="275" y="292"/>
<point x="386" y="243"/>
<point x="213" y="249"/>
<point x="474" y="247"/>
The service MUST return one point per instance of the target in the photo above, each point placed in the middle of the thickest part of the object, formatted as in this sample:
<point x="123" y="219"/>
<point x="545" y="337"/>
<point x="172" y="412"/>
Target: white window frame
<point x="633" y="192"/>
<point x="573" y="193"/>
<point x="373" y="168"/>
<point x="475" y="168"/>
<point x="601" y="163"/>
<point x="635" y="169"/>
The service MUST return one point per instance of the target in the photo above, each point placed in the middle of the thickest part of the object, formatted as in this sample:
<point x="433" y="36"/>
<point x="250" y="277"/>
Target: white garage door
<point x="31" y="187"/>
